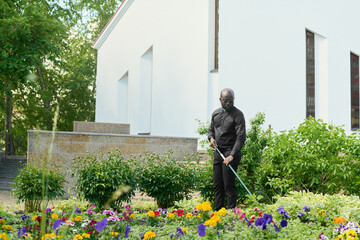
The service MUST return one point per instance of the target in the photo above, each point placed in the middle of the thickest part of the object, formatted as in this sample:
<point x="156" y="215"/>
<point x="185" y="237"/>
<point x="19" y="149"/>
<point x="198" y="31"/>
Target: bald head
<point x="227" y="99"/>
<point x="227" y="92"/>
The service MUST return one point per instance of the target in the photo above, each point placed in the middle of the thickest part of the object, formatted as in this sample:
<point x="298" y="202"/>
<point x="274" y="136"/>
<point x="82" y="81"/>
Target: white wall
<point x="262" y="57"/>
<point x="178" y="32"/>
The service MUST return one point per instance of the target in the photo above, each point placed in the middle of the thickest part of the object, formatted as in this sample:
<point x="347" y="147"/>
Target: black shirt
<point x="228" y="129"/>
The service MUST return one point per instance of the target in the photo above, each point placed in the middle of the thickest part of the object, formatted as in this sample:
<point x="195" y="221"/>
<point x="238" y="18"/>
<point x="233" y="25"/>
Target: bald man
<point x="227" y="133"/>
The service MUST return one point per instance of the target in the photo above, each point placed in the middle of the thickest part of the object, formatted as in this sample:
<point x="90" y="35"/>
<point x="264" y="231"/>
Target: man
<point x="227" y="133"/>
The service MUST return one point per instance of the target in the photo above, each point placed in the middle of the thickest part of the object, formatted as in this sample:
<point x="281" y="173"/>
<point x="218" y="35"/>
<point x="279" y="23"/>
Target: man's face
<point x="227" y="101"/>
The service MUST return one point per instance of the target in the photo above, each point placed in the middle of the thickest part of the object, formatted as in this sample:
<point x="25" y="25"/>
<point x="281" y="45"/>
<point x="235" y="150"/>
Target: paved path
<point x="9" y="202"/>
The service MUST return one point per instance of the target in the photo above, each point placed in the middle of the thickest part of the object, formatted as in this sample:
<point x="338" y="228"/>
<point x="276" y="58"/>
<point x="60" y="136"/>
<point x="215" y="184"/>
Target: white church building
<point x="162" y="63"/>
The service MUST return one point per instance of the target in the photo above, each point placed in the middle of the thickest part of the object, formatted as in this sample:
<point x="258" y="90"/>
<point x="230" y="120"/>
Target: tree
<point x="30" y="34"/>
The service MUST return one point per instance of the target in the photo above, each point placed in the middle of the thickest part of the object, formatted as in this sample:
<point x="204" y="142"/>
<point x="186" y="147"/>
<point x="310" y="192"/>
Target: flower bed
<point x="297" y="216"/>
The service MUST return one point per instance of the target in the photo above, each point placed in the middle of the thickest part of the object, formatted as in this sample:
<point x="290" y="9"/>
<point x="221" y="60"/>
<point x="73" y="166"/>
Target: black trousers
<point x="224" y="180"/>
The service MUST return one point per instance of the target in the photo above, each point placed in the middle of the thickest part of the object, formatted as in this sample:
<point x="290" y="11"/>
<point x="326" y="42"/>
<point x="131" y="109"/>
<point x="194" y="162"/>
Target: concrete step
<point x="9" y="168"/>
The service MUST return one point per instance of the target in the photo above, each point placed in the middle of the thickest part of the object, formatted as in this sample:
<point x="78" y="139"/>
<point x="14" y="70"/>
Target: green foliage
<point x="166" y="178"/>
<point x="316" y="156"/>
<point x="30" y="183"/>
<point x="252" y="154"/>
<point x="104" y="181"/>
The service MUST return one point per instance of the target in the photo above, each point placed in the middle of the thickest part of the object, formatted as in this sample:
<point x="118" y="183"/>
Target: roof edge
<point x="105" y="32"/>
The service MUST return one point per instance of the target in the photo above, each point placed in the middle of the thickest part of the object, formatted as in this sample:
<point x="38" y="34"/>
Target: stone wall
<point x="68" y="145"/>
<point x="98" y="127"/>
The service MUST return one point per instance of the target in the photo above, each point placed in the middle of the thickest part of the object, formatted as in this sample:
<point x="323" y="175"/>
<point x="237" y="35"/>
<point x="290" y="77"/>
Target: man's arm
<point x="240" y="133"/>
<point x="211" y="134"/>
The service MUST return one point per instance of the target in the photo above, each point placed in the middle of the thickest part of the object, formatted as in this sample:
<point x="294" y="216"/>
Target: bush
<point x="35" y="184"/>
<point x="315" y="157"/>
<point x="104" y="181"/>
<point x="166" y="178"/>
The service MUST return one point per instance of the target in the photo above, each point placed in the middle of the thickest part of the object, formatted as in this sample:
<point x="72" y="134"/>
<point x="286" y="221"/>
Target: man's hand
<point x="213" y="143"/>
<point x="228" y="159"/>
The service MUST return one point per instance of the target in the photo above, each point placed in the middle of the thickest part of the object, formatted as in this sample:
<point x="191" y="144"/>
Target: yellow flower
<point x="151" y="214"/>
<point x="199" y="216"/>
<point x="189" y="215"/>
<point x="8" y="227"/>
<point x="321" y="212"/>
<point x="48" y="236"/>
<point x="86" y="235"/>
<point x="77" y="237"/>
<point x="215" y="218"/>
<point x="149" y="234"/>
<point x="115" y="234"/>
<point x="211" y="223"/>
<point x="132" y="215"/>
<point x="78" y="219"/>
<point x="54" y="216"/>
<point x="170" y="215"/>
<point x="4" y="236"/>
<point x="2" y="221"/>
<point x="340" y="237"/>
<point x="184" y="230"/>
<point x="72" y="219"/>
<point x="27" y="235"/>
<point x="34" y="218"/>
<point x="205" y="206"/>
<point x="222" y="212"/>
<point x="352" y="234"/>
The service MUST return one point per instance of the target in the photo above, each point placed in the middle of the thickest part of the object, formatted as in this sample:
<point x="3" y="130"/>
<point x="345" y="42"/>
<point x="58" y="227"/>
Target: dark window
<point x="354" y="62"/>
<point x="310" y="74"/>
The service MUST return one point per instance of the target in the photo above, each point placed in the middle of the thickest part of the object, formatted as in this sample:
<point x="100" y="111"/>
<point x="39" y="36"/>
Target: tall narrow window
<point x="354" y="62"/>
<point x="216" y="55"/>
<point x="310" y="74"/>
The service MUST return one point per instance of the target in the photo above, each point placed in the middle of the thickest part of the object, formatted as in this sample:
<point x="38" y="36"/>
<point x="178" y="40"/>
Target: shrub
<point x="166" y="178"/>
<point x="36" y="184"/>
<point x="316" y="156"/>
<point x="104" y="181"/>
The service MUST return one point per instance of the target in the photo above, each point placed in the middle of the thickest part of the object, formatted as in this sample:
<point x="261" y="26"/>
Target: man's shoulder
<point x="237" y="112"/>
<point x="219" y="110"/>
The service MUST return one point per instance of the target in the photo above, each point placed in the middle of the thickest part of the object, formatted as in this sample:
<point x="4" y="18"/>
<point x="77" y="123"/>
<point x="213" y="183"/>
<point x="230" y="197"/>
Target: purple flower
<point x="127" y="230"/>
<point x="171" y="235"/>
<point x="306" y="209"/>
<point x="142" y="235"/>
<point x="217" y="232"/>
<point x="179" y="232"/>
<point x="249" y="223"/>
<point x="47" y="210"/>
<point x="23" y="217"/>
<point x="300" y="215"/>
<point x="21" y="232"/>
<point x="90" y="212"/>
<point x="276" y="228"/>
<point x="101" y="225"/>
<point x="201" y="230"/>
<point x="259" y="222"/>
<point x="127" y="207"/>
<point x="92" y="206"/>
<point x="165" y="211"/>
<point x="57" y="224"/>
<point x="282" y="211"/>
<point x="77" y="210"/>
<point x="267" y="218"/>
<point x="283" y="223"/>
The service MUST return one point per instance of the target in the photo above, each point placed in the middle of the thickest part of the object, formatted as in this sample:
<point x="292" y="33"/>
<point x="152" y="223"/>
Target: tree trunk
<point x="45" y="99"/>
<point x="8" y="123"/>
